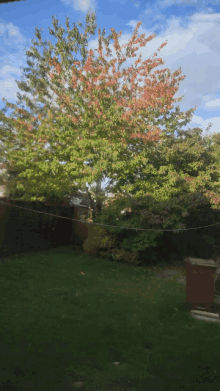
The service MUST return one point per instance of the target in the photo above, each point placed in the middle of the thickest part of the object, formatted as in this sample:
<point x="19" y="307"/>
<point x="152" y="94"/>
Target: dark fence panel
<point x="24" y="230"/>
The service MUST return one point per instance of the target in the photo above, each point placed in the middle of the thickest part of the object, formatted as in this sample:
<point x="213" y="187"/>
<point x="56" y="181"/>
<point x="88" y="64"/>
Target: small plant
<point x="125" y="255"/>
<point x="103" y="241"/>
<point x="106" y="246"/>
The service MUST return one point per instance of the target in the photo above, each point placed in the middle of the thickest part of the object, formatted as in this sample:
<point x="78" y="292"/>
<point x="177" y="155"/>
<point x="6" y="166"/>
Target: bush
<point x="125" y="255"/>
<point x="120" y="254"/>
<point x="107" y="247"/>
<point x="151" y="245"/>
<point x="135" y="215"/>
<point x="104" y="241"/>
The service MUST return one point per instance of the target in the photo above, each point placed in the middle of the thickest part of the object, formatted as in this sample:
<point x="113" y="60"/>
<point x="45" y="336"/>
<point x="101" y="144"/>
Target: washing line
<point x="107" y="225"/>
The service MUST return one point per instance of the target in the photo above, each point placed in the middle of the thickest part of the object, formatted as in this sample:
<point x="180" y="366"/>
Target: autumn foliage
<point x="117" y="129"/>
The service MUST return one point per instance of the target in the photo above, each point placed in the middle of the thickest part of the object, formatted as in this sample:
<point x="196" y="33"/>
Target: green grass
<point x="58" y="327"/>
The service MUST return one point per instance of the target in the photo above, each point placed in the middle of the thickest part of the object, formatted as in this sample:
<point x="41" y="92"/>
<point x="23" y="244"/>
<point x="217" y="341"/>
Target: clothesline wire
<point x="107" y="225"/>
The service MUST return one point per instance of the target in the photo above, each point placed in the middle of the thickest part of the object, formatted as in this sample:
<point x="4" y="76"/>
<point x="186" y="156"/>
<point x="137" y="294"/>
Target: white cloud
<point x="80" y="5"/>
<point x="6" y="69"/>
<point x="213" y="103"/>
<point x="203" y="123"/>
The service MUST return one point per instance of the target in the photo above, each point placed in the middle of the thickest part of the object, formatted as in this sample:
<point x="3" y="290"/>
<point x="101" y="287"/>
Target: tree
<point x="74" y="40"/>
<point x="96" y="126"/>
<point x="156" y="95"/>
<point x="91" y="123"/>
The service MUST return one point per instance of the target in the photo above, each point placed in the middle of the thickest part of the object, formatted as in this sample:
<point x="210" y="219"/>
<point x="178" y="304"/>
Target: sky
<point x="191" y="28"/>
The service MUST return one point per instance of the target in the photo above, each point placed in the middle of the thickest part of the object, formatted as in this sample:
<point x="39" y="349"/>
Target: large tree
<point x="47" y="99"/>
<point x="40" y="86"/>
<point x="88" y="125"/>
<point x="116" y="130"/>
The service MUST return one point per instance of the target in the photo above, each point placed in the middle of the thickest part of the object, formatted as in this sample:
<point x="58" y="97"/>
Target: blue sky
<point x="191" y="28"/>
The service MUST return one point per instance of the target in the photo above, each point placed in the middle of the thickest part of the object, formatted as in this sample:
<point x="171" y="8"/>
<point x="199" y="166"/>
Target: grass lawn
<point x="70" y="321"/>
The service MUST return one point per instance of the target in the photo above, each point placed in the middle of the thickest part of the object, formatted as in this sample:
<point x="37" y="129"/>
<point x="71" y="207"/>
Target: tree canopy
<point x="115" y="128"/>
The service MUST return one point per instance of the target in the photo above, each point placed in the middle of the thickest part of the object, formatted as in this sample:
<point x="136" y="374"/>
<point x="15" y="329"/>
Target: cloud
<point x="213" y="103"/>
<point x="12" y="45"/>
<point x="203" y="123"/>
<point x="80" y="5"/>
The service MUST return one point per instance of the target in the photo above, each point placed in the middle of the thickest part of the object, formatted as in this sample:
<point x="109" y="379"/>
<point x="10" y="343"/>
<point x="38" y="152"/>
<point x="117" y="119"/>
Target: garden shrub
<point x="103" y="241"/>
<point x="201" y="242"/>
<point x="147" y="213"/>
<point x="107" y="247"/>
<point x="125" y="255"/>
<point x="129" y="243"/>
<point x="120" y="254"/>
<point x="89" y="247"/>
